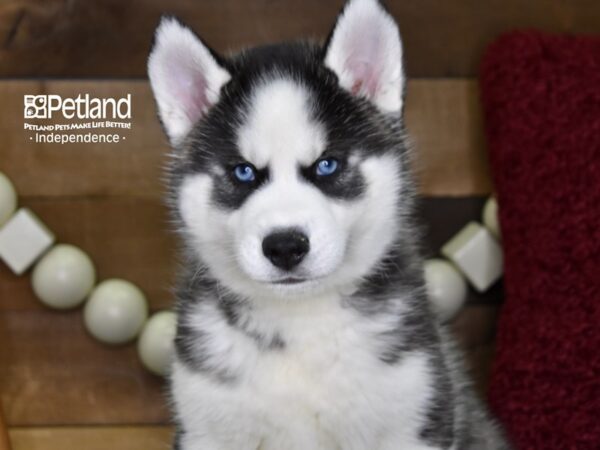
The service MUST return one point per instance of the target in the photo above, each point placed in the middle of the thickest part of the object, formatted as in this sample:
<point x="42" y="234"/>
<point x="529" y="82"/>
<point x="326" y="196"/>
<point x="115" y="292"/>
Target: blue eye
<point x="244" y="173"/>
<point x="327" y="167"/>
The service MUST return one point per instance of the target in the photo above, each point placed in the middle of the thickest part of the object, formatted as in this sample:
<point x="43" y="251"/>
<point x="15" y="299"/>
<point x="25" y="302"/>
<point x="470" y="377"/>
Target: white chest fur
<point x="324" y="389"/>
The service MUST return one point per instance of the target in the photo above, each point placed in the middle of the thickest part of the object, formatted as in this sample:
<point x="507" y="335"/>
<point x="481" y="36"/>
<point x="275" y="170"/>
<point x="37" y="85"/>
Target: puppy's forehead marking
<point x="279" y="128"/>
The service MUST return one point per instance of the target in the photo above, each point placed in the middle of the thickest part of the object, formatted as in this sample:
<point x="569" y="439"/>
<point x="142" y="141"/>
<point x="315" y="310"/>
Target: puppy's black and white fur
<point x="302" y="318"/>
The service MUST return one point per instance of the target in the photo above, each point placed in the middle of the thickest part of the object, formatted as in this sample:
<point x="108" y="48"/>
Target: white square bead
<point x="477" y="254"/>
<point x="23" y="239"/>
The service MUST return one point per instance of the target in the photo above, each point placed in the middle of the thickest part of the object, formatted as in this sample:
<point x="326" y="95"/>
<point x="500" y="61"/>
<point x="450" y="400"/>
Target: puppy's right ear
<point x="185" y="77"/>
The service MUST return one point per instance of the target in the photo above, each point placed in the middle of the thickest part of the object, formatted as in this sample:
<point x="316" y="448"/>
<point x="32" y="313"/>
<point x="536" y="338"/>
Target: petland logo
<point x="81" y="107"/>
<point x="78" y="120"/>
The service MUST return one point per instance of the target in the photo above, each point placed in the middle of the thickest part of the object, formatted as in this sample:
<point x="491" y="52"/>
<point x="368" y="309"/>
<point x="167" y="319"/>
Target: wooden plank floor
<point x="60" y="388"/>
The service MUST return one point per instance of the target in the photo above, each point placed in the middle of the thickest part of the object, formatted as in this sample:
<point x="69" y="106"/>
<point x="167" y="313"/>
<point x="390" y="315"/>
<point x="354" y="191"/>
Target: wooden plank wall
<point x="443" y="116"/>
<point x="111" y="37"/>
<point x="107" y="199"/>
<point x="62" y="390"/>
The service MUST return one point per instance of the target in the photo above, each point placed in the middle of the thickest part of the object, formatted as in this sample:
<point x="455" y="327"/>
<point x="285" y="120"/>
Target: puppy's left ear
<point x="365" y="51"/>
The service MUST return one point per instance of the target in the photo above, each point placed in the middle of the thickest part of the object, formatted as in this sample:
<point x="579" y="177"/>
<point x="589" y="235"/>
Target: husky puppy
<point x="302" y="317"/>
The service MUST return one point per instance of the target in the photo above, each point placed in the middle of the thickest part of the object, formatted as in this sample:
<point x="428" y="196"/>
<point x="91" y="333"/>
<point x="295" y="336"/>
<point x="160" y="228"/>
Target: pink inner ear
<point x="364" y="78"/>
<point x="190" y="90"/>
<point x="365" y="60"/>
<point x="187" y="84"/>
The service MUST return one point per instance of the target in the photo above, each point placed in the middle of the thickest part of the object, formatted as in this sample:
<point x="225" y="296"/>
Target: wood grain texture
<point x="112" y="37"/>
<point x="132" y="167"/>
<point x="107" y="200"/>
<point x="443" y="117"/>
<point x="91" y="438"/>
<point x="125" y="237"/>
<point x="53" y="373"/>
<point x="4" y="441"/>
<point x="475" y="329"/>
<point x="129" y="237"/>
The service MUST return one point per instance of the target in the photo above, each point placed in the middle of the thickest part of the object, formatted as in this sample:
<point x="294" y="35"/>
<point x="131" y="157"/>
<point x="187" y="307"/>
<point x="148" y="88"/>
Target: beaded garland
<point x="64" y="277"/>
<point x="116" y="311"/>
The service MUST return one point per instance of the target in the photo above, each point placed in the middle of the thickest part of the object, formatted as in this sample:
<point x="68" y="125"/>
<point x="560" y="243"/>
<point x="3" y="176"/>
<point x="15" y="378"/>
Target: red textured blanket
<point x="541" y="97"/>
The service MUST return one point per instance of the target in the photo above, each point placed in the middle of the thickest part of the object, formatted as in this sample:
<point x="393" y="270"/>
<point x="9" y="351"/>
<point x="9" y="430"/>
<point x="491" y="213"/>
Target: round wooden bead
<point x="115" y="311"/>
<point x="490" y="216"/>
<point x="8" y="199"/>
<point x="64" y="277"/>
<point x="156" y="345"/>
<point x="446" y="288"/>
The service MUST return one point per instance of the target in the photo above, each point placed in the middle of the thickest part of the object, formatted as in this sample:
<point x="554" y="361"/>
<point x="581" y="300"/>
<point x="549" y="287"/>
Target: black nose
<point x="286" y="248"/>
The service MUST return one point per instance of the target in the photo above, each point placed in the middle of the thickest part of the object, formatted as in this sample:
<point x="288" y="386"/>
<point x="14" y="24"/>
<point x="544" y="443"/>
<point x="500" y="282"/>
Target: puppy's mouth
<point x="289" y="281"/>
